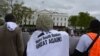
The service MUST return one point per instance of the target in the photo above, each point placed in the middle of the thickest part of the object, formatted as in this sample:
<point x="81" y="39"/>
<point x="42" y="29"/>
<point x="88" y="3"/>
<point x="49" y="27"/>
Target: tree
<point x="82" y="20"/>
<point x="27" y="13"/>
<point x="73" y="20"/>
<point x="4" y="8"/>
<point x="17" y="11"/>
<point x="22" y="12"/>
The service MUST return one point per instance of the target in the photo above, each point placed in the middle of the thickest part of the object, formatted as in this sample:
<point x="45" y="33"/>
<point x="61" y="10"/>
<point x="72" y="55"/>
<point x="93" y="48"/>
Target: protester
<point x="46" y="41"/>
<point x="86" y="40"/>
<point x="11" y="43"/>
<point x="26" y="37"/>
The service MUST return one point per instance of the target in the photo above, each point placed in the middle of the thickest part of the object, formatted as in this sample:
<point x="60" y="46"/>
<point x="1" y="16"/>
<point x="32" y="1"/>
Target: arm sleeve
<point x="31" y="47"/>
<point x="19" y="43"/>
<point x="81" y="46"/>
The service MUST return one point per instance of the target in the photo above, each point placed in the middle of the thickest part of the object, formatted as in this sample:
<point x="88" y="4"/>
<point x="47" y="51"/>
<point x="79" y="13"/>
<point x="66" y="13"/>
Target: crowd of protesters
<point x="45" y="40"/>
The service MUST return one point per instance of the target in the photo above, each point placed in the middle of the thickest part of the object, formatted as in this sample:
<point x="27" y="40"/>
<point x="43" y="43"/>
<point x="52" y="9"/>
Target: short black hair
<point x="9" y="18"/>
<point x="94" y="26"/>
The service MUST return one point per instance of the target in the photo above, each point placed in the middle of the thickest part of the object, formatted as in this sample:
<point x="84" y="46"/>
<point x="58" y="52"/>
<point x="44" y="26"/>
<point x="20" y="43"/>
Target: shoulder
<point x="53" y="31"/>
<point x="36" y="33"/>
<point x="56" y="31"/>
<point x="83" y="43"/>
<point x="18" y="30"/>
<point x="84" y="37"/>
<point x="63" y="33"/>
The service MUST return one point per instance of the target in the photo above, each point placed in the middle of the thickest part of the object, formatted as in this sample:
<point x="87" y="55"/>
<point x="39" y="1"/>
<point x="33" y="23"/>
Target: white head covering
<point x="11" y="26"/>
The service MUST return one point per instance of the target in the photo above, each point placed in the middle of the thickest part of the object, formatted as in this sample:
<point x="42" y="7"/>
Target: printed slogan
<point x="48" y="39"/>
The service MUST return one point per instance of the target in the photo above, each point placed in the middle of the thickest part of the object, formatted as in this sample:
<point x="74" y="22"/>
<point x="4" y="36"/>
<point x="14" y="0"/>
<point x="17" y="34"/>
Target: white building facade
<point x="60" y="19"/>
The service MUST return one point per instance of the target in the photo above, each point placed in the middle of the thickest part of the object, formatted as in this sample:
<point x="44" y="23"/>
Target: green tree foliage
<point x="82" y="20"/>
<point x="17" y="11"/>
<point x="22" y="12"/>
<point x="73" y="20"/>
<point x="27" y="13"/>
<point x="4" y="8"/>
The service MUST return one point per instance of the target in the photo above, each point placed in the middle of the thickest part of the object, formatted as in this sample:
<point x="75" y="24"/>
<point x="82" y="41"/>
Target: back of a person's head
<point x="10" y="18"/>
<point x="44" y="22"/>
<point x="94" y="26"/>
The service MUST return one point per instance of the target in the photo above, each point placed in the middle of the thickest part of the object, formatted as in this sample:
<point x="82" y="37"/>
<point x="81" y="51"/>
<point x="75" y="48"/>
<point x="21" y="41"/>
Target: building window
<point x="65" y="19"/>
<point x="57" y="24"/>
<point x="29" y="22"/>
<point x="57" y="18"/>
<point x="61" y="24"/>
<point x="53" y="18"/>
<point x="38" y="15"/>
<point x="33" y="17"/>
<point x="53" y="23"/>
<point x="33" y="23"/>
<point x="61" y="19"/>
<point x="64" y="24"/>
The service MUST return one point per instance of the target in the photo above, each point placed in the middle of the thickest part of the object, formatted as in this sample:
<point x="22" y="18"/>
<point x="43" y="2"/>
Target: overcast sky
<point x="67" y="6"/>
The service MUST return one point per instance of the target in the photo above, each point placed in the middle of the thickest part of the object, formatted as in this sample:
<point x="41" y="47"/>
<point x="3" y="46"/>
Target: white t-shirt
<point x="54" y="43"/>
<point x="84" y="43"/>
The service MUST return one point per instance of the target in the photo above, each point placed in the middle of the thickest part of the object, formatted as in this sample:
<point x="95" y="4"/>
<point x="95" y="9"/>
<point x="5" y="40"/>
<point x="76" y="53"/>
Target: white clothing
<point x="84" y="43"/>
<point x="11" y="26"/>
<point x="54" y="43"/>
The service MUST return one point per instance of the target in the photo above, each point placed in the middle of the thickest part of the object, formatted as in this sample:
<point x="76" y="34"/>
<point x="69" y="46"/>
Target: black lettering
<point x="46" y="37"/>
<point x="54" y="35"/>
<point x="41" y="44"/>
<point x="53" y="40"/>
<point x="39" y="40"/>
<point x="38" y="45"/>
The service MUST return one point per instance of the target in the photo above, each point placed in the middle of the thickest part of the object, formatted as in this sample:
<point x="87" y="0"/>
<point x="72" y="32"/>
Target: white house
<point x="60" y="19"/>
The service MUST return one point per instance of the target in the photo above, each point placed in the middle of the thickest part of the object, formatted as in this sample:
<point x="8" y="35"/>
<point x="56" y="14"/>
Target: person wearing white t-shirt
<point x="85" y="39"/>
<point x="46" y="41"/>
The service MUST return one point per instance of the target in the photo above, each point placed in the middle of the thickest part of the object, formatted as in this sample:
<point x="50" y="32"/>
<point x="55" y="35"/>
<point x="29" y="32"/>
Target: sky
<point x="72" y="7"/>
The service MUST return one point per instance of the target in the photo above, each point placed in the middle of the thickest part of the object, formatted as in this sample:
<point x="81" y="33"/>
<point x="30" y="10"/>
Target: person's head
<point x="94" y="26"/>
<point x="44" y="22"/>
<point x="10" y="18"/>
